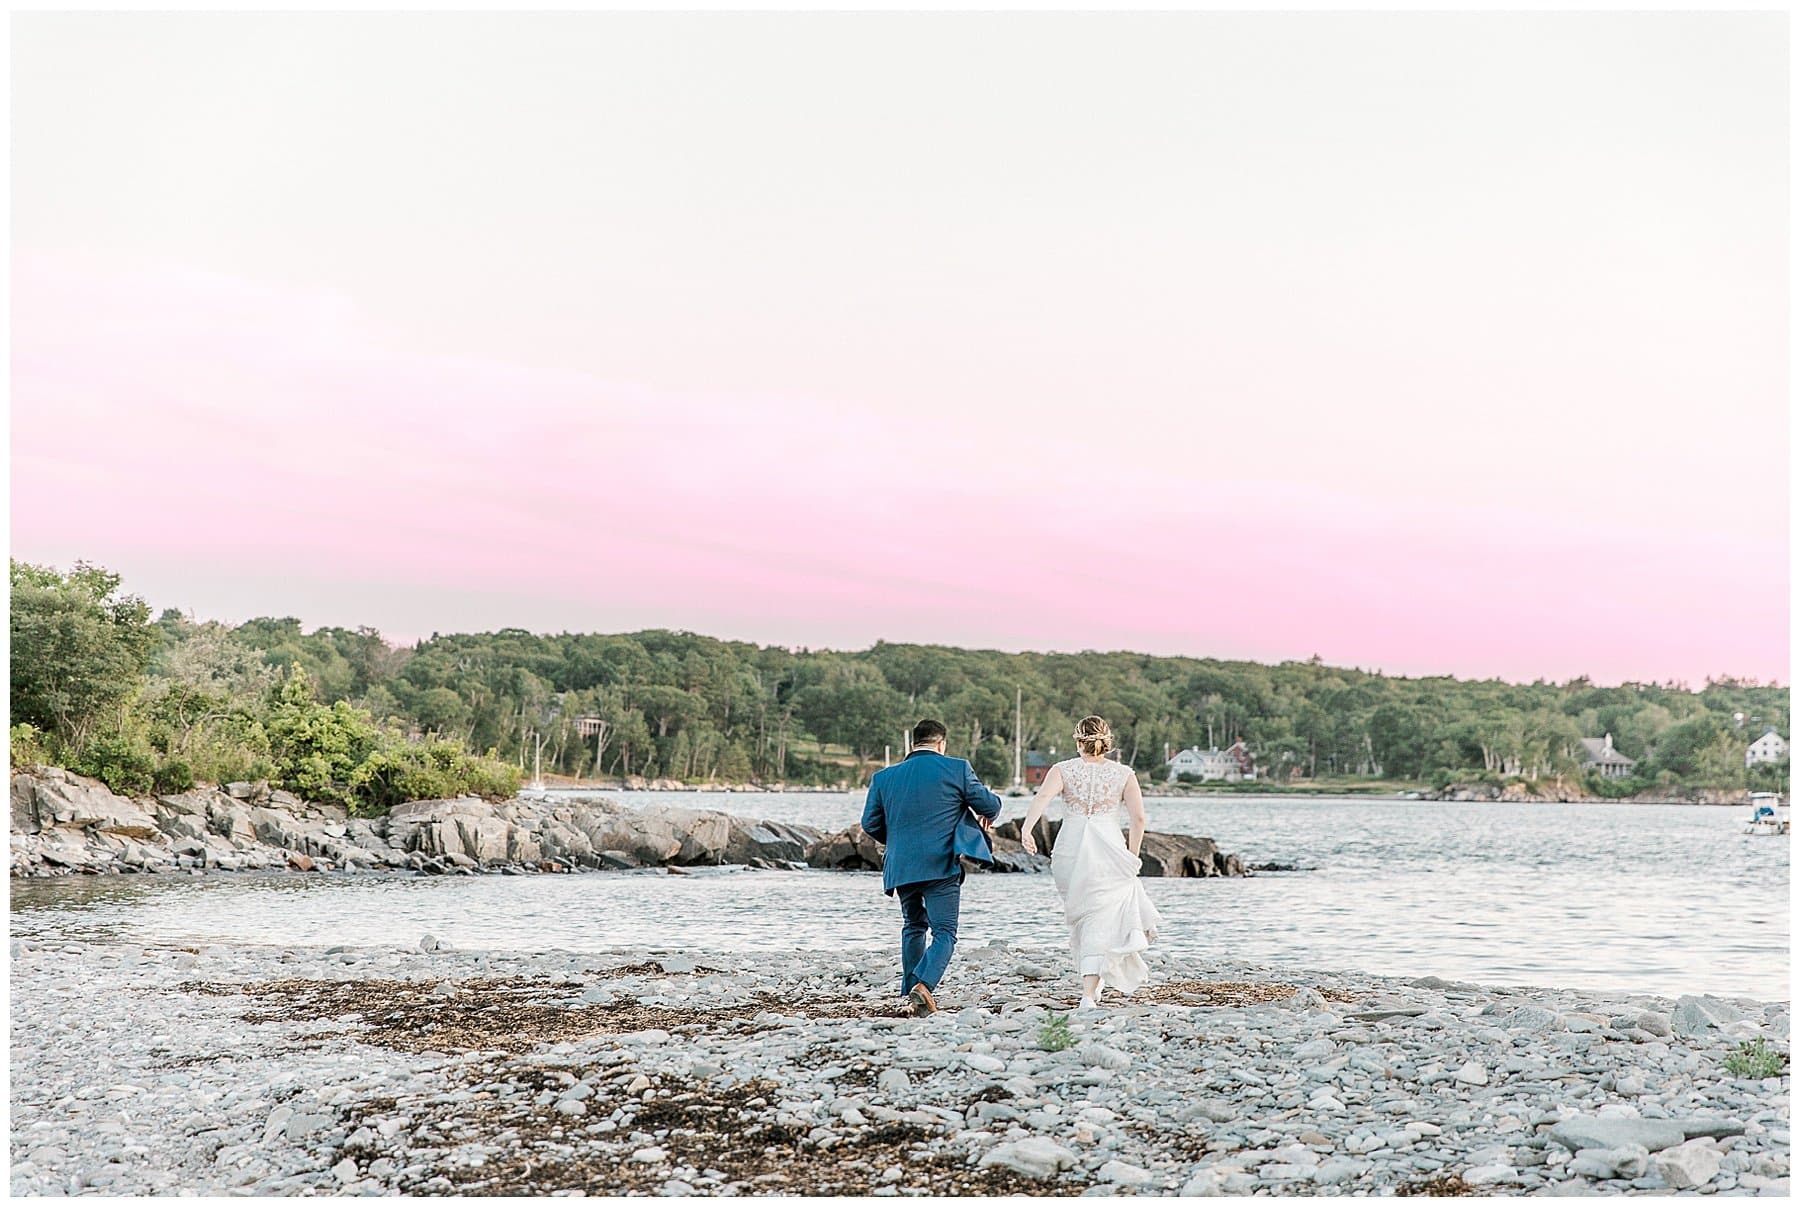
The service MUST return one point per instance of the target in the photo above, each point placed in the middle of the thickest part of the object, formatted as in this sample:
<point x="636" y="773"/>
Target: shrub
<point x="174" y="776"/>
<point x="1054" y="1035"/>
<point x="120" y="763"/>
<point x="317" y="747"/>
<point x="1756" y="1060"/>
<point x="428" y="771"/>
<point x="30" y="747"/>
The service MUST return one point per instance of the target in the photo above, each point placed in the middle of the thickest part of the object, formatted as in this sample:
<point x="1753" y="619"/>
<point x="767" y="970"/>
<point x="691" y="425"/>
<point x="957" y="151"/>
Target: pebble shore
<point x="268" y="1071"/>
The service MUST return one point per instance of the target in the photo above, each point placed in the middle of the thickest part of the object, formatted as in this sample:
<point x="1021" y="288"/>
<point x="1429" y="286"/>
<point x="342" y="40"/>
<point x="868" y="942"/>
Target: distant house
<point x="1037" y="766"/>
<point x="1598" y="756"/>
<point x="1770" y="748"/>
<point x="1245" y="760"/>
<point x="1206" y="764"/>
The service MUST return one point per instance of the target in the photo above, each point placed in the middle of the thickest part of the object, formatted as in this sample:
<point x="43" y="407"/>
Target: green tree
<point x="79" y="649"/>
<point x="317" y="746"/>
<point x="863" y="715"/>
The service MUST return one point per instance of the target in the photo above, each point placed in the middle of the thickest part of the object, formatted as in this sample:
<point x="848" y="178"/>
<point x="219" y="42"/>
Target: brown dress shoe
<point x="923" y="1002"/>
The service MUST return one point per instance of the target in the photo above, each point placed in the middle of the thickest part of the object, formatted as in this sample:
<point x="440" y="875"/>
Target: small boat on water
<point x="1769" y="814"/>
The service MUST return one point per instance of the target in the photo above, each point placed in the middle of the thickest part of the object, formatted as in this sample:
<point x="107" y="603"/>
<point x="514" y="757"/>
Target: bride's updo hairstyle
<point x="1094" y="737"/>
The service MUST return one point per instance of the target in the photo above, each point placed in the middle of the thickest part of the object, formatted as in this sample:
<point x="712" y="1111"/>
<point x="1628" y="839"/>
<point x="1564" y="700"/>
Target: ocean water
<point x="1661" y="899"/>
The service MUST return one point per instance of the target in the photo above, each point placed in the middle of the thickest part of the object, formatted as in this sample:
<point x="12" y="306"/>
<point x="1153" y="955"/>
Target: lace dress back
<point x="1093" y="789"/>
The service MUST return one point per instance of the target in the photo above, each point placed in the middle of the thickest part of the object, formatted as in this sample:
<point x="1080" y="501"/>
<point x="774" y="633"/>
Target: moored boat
<point x="1769" y="814"/>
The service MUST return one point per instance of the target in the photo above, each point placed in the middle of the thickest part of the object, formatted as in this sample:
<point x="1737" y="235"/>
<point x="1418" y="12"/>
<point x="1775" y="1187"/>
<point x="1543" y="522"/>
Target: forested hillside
<point x="103" y="686"/>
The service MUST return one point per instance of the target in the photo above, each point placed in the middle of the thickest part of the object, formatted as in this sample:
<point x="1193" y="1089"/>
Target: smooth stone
<point x="1490" y="1175"/>
<point x="1626" y="1161"/>
<point x="1033" y="1157"/>
<point x="1617" y="1131"/>
<point x="1123" y="1173"/>
<point x="1688" y="1166"/>
<point x="1472" y="1073"/>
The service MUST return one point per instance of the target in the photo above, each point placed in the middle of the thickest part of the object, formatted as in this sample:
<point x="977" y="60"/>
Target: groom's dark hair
<point x="927" y="732"/>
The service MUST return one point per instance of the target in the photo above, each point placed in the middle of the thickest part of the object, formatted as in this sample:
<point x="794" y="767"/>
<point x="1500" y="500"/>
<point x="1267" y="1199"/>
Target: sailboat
<point x="1018" y="784"/>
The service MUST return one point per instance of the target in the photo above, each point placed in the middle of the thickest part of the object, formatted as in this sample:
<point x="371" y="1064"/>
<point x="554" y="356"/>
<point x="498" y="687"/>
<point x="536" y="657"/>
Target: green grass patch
<point x="1755" y="1059"/>
<point x="1054" y="1035"/>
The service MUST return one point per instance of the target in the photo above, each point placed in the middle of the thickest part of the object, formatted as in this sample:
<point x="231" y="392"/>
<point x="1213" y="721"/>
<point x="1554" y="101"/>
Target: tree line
<point x="342" y="711"/>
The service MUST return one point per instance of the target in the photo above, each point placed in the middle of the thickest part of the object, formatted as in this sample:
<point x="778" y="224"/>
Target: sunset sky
<point x="1428" y="343"/>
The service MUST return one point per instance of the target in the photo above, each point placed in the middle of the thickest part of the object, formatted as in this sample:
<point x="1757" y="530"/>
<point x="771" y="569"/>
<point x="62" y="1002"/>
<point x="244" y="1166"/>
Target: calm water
<point x="1660" y="899"/>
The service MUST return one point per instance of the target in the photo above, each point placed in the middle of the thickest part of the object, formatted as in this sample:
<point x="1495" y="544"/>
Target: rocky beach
<point x="206" y="1056"/>
<point x="243" y="1069"/>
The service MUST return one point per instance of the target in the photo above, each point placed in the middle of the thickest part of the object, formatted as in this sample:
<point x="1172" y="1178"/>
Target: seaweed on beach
<point x="728" y="1133"/>
<point x="504" y="1014"/>
<point x="1441" y="1185"/>
<point x="649" y="968"/>
<point x="1225" y="993"/>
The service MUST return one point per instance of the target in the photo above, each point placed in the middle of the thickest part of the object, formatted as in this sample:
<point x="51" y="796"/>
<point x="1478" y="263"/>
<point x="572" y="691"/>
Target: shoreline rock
<point x="65" y="824"/>
<point x="68" y="824"/>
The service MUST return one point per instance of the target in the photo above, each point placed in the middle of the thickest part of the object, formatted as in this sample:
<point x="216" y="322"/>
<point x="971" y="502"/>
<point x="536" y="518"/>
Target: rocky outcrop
<point x="66" y="823"/>
<point x="1162" y="854"/>
<point x="849" y="850"/>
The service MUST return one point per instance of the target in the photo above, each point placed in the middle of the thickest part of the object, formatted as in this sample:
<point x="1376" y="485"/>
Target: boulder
<point x="83" y="804"/>
<point x="277" y="828"/>
<point x="419" y="811"/>
<point x="437" y="837"/>
<point x="1627" y="1161"/>
<point x="1044" y="832"/>
<point x="183" y="815"/>
<point x="561" y="840"/>
<point x="1161" y="855"/>
<point x="701" y="836"/>
<point x="650" y="839"/>
<point x="484" y="839"/>
<point x="1617" y="1131"/>
<point x="255" y="792"/>
<point x="768" y="840"/>
<point x="1694" y="1016"/>
<point x="1179" y="855"/>
<point x="228" y="818"/>
<point x="24" y="806"/>
<point x="522" y="846"/>
<point x="1010" y="856"/>
<point x="849" y="850"/>
<point x="1688" y="1166"/>
<point x="1033" y="1157"/>
<point x="614" y="861"/>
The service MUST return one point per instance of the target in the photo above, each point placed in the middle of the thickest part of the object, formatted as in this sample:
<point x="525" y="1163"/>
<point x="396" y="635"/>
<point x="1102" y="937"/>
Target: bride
<point x="1111" y="920"/>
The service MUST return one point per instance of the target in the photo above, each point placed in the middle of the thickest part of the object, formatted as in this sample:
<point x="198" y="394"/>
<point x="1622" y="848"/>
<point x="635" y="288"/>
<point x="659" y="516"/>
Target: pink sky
<point x="1431" y="345"/>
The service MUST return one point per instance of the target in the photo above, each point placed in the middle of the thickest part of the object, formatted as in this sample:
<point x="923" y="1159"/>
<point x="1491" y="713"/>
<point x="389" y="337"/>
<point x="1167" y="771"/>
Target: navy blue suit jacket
<point x="914" y="807"/>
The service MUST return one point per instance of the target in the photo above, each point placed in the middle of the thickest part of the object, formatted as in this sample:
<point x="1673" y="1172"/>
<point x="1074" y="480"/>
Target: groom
<point x="915" y="808"/>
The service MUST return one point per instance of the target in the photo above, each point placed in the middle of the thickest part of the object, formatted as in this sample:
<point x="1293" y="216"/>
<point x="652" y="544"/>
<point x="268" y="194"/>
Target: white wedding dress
<point x="1111" y="920"/>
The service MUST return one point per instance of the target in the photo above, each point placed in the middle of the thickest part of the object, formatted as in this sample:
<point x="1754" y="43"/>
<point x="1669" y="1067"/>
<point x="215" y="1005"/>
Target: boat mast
<point x="1018" y="726"/>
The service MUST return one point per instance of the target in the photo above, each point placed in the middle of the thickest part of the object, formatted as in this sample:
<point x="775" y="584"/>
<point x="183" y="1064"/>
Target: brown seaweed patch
<point x="1226" y="993"/>
<point x="1438" y="1186"/>
<point x="723" y="1136"/>
<point x="504" y="1015"/>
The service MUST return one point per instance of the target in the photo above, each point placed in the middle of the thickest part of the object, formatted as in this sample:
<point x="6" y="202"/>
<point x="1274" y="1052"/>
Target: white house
<point x="1770" y="748"/>
<point x="1205" y="765"/>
